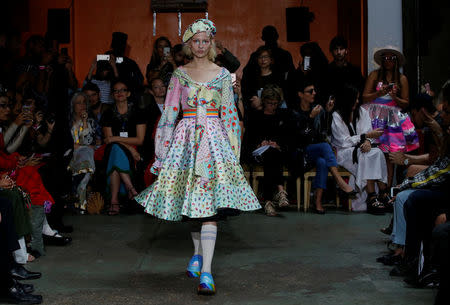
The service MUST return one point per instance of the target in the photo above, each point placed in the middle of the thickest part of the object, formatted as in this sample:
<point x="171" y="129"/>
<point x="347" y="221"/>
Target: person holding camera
<point x="385" y="96"/>
<point x="162" y="59"/>
<point x="105" y="72"/>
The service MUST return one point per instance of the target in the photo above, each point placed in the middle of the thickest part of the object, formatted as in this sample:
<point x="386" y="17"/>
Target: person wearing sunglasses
<point x="309" y="144"/>
<point x="124" y="131"/>
<point x="385" y="96"/>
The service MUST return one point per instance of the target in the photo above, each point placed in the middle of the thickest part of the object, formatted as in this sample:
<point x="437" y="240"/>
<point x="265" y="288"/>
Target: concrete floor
<point x="295" y="259"/>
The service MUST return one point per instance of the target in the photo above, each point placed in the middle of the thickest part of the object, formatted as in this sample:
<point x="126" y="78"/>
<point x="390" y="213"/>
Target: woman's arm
<point x="402" y="100"/>
<point x="340" y="136"/>
<point x="370" y="93"/>
<point x="137" y="141"/>
<point x="17" y="141"/>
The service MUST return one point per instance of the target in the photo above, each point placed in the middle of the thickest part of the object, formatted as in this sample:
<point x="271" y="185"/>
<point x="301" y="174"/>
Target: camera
<point x="306" y="63"/>
<point x="391" y="86"/>
<point x="101" y="57"/>
<point x="166" y="51"/>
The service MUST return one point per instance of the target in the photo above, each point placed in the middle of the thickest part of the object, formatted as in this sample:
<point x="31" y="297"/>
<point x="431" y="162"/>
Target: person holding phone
<point x="200" y="178"/>
<point x="386" y="94"/>
<point x="105" y="73"/>
<point x="352" y="137"/>
<point x="162" y="59"/>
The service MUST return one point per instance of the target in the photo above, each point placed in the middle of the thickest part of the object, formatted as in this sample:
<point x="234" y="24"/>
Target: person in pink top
<point x="386" y="96"/>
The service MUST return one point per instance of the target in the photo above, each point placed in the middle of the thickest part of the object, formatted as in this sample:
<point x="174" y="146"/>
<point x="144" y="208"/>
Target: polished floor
<point x="294" y="259"/>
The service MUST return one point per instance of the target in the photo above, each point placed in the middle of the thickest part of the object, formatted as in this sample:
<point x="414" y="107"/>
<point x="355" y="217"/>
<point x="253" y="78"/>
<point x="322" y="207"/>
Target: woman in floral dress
<point x="197" y="157"/>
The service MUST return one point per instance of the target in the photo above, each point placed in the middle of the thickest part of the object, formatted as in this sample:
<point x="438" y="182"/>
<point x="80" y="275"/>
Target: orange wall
<point x="239" y="24"/>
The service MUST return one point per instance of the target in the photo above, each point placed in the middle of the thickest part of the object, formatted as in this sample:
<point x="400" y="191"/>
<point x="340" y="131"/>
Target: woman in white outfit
<point x="352" y="137"/>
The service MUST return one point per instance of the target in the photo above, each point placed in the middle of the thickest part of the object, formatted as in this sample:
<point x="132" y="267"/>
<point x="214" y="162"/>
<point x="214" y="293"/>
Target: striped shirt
<point x="105" y="90"/>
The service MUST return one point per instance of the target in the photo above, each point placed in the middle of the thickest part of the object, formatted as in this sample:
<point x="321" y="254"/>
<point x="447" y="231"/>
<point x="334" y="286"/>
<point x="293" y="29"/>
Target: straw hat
<point x="389" y="49"/>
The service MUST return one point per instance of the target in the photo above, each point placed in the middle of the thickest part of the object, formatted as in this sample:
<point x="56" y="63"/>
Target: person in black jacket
<point x="308" y="134"/>
<point x="266" y="132"/>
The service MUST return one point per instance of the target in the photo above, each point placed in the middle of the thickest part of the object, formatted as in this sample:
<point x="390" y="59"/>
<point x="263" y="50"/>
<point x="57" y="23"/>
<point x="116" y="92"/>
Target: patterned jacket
<point x="436" y="176"/>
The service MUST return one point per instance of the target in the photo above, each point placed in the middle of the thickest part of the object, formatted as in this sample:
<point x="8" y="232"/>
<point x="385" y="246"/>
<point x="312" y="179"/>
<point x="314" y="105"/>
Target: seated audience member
<point x="267" y="128"/>
<point x="124" y="130"/>
<point x="178" y="55"/>
<point x="105" y="73"/>
<point x="308" y="140"/>
<point x="24" y="172"/>
<point x="282" y="57"/>
<point x="419" y="200"/>
<point x="162" y="59"/>
<point x="96" y="109"/>
<point x="254" y="81"/>
<point x="82" y="164"/>
<point x="352" y="137"/>
<point x="226" y="59"/>
<point x="340" y="71"/>
<point x="128" y="69"/>
<point x="12" y="291"/>
<point x="313" y="65"/>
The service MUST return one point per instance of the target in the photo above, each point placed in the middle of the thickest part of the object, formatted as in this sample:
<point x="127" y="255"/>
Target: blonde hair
<point x="212" y="53"/>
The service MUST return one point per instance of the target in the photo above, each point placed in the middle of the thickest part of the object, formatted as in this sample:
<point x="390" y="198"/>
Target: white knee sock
<point x="208" y="242"/>
<point x="197" y="243"/>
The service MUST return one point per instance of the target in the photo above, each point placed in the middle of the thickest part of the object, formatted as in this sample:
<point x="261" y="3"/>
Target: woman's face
<point x="264" y="60"/>
<point x="179" y="57"/>
<point x="158" y="88"/>
<point x="79" y="106"/>
<point x="4" y="108"/>
<point x="389" y="60"/>
<point x="120" y="92"/>
<point x="160" y="47"/>
<point x="200" y="44"/>
<point x="270" y="105"/>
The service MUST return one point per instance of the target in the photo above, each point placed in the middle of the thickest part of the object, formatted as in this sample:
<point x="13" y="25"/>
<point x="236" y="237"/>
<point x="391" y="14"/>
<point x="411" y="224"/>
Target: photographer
<point x="105" y="72"/>
<point x="162" y="59"/>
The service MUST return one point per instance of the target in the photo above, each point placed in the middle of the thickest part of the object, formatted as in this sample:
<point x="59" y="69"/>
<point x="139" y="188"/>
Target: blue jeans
<point x="323" y="157"/>
<point x="399" y="227"/>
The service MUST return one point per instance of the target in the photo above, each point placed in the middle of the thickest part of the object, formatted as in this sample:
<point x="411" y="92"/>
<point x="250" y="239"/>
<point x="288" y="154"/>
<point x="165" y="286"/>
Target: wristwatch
<point x="406" y="161"/>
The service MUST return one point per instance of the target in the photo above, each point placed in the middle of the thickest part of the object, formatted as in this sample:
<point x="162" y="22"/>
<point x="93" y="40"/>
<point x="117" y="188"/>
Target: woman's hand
<point x="365" y="147"/>
<point x="274" y="145"/>
<point x="112" y="60"/>
<point x="6" y="182"/>
<point x="32" y="161"/>
<point x="397" y="157"/>
<point x="330" y="105"/>
<point x="50" y="126"/>
<point x="315" y="111"/>
<point x="393" y="92"/>
<point x="237" y="87"/>
<point x="39" y="116"/>
<point x="136" y="155"/>
<point x="442" y="218"/>
<point x="263" y="143"/>
<point x="109" y="140"/>
<point x="20" y="119"/>
<point x="256" y="102"/>
<point x="375" y="134"/>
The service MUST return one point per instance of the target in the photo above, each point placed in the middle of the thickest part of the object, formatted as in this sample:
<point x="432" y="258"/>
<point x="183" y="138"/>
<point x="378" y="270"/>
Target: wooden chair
<point x="307" y="178"/>
<point x="252" y="172"/>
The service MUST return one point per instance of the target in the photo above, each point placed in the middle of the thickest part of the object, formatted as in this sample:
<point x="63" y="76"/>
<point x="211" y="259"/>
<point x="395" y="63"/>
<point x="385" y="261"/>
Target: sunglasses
<point x="4" y="106"/>
<point x="120" y="91"/>
<point x="310" y="91"/>
<point x="389" y="58"/>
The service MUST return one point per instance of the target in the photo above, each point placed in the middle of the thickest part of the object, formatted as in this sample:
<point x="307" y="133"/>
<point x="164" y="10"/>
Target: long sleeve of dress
<point x="340" y="135"/>
<point x="9" y="133"/>
<point x="13" y="145"/>
<point x="229" y="116"/>
<point x="167" y="122"/>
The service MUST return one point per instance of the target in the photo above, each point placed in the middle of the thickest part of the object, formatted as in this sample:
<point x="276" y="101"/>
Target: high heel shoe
<point x="352" y="194"/>
<point x="132" y="193"/>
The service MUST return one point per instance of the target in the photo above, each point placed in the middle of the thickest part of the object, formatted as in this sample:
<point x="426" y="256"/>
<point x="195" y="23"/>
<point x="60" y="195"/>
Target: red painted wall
<point x="239" y="24"/>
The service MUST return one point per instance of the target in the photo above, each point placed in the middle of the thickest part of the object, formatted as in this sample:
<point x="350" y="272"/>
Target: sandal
<point x="132" y="192"/>
<point x="374" y="207"/>
<point x="281" y="199"/>
<point x="114" y="211"/>
<point x="270" y="209"/>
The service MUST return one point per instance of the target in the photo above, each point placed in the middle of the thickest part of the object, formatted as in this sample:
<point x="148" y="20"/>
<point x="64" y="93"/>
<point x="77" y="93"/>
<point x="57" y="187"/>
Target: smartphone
<point x="166" y="51"/>
<point x="233" y="78"/>
<point x="64" y="51"/>
<point x="101" y="57"/>
<point x="259" y="92"/>
<point x="391" y="86"/>
<point x="119" y="60"/>
<point x="394" y="191"/>
<point x="306" y="63"/>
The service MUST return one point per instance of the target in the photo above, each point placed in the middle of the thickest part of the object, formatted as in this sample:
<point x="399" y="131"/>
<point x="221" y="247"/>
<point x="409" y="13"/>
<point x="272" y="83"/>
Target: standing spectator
<point x="254" y="81"/>
<point x="386" y="93"/>
<point x="281" y="57"/>
<point x="340" y="71"/>
<point x="105" y="73"/>
<point x="128" y="69"/>
<point x="226" y="58"/>
<point x="96" y="109"/>
<point x="178" y="55"/>
<point x="162" y="59"/>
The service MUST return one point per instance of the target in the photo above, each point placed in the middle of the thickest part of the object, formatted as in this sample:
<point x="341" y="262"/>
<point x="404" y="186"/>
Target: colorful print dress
<point x="399" y="132"/>
<point x="197" y="159"/>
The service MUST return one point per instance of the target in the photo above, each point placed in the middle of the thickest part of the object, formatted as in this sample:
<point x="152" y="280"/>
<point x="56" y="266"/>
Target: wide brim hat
<point x="377" y="56"/>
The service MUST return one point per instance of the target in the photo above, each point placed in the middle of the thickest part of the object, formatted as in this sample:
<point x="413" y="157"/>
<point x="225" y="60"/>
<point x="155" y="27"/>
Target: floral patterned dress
<point x="197" y="157"/>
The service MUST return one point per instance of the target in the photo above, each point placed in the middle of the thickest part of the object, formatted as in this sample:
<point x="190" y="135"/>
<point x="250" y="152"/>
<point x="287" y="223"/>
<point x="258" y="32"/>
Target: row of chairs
<point x="252" y="173"/>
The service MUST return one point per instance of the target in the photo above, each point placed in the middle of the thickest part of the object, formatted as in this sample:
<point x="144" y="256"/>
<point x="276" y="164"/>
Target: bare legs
<point x="115" y="179"/>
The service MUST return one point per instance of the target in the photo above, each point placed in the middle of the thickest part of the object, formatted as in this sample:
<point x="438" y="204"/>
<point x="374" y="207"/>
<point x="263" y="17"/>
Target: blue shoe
<point x="207" y="286"/>
<point x="195" y="266"/>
